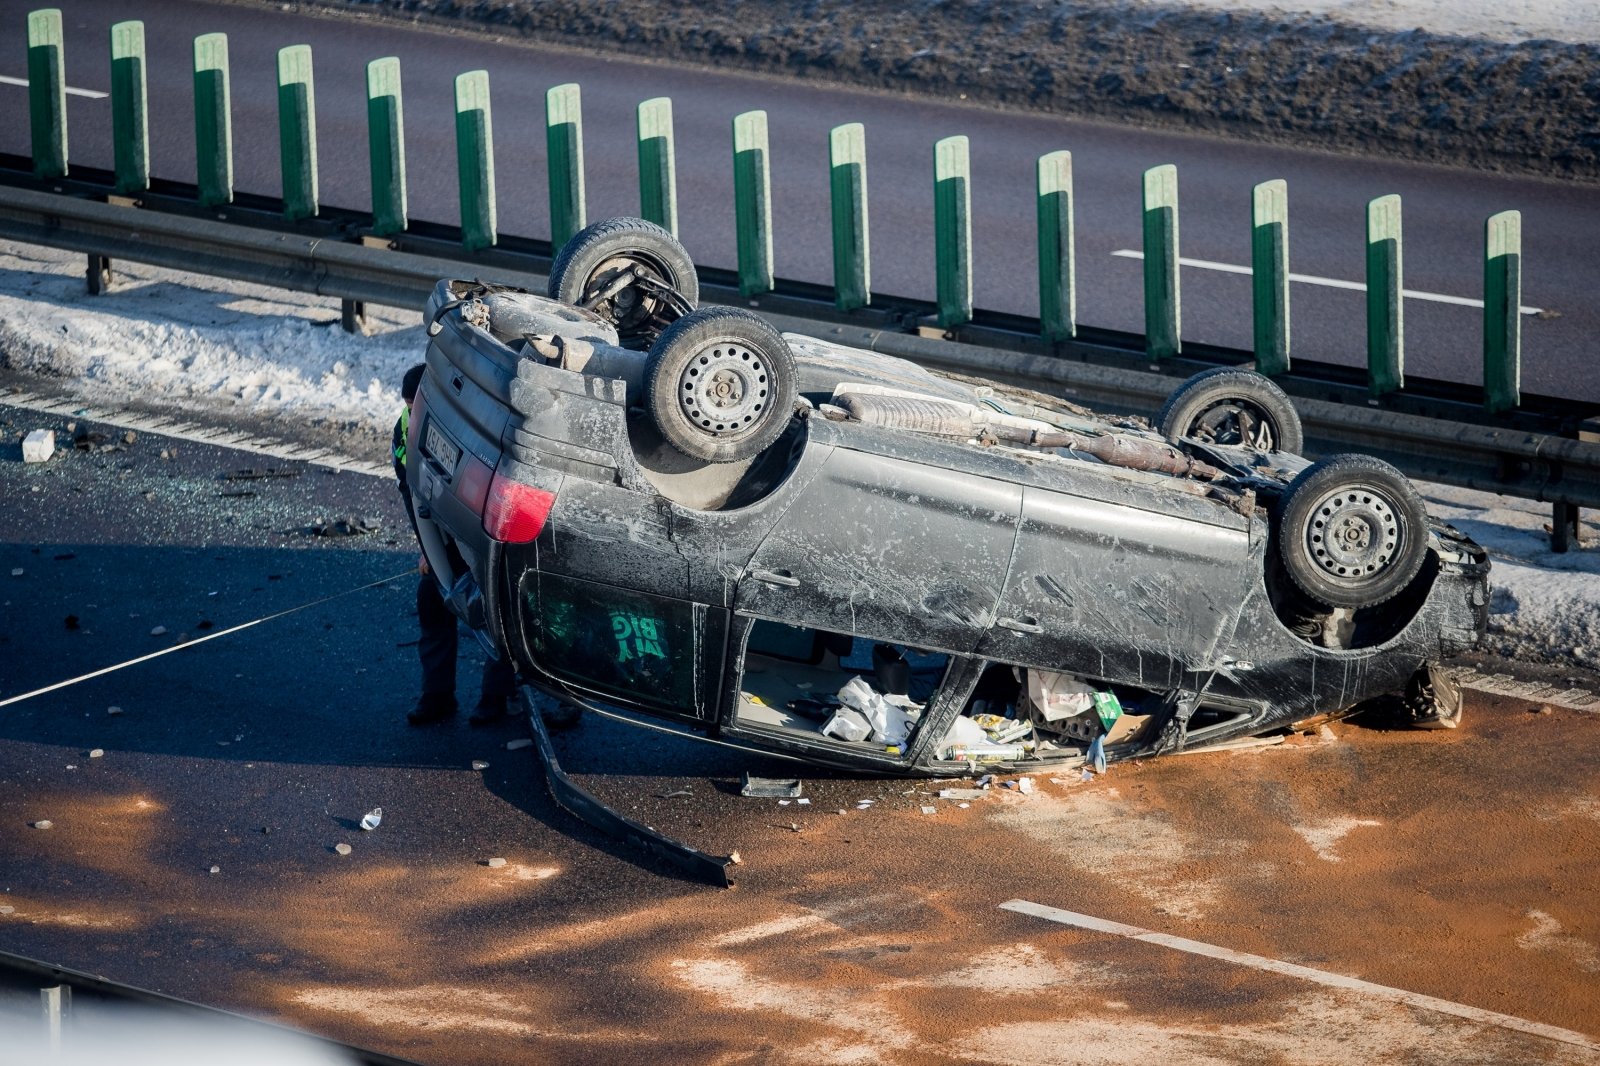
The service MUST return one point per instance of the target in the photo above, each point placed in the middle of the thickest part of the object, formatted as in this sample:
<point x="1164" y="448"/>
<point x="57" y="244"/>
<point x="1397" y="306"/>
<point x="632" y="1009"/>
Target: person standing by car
<point x="438" y="643"/>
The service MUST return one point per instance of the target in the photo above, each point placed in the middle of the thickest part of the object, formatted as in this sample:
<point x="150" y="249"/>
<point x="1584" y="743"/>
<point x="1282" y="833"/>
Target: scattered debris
<point x="495" y="864"/>
<point x="87" y="440"/>
<point x="1546" y="709"/>
<point x="43" y="823"/>
<point x="479" y="764"/>
<point x="372" y="819"/>
<point x="159" y="631"/>
<point x="518" y="744"/>
<point x="342" y="849"/>
<point x="113" y="711"/>
<point x="96" y="753"/>
<point x="960" y="793"/>
<point x="340" y="527"/>
<point x="1025" y="785"/>
<point x="802" y="801"/>
<point x="129" y="437"/>
<point x="249" y="474"/>
<point x="674" y="794"/>
<point x="1327" y="733"/>
<point x="7" y="909"/>
<point x="17" y="571"/>
<point x="216" y="869"/>
<point x="70" y="621"/>
<point x="39" y="446"/>
<point x="735" y="858"/>
<point x="930" y="810"/>
<point x="770" y="787"/>
<point x="963" y="806"/>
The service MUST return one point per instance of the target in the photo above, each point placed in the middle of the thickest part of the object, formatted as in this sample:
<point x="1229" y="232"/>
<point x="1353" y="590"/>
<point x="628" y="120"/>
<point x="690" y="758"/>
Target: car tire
<point x="720" y="384"/>
<point x="1232" y="405"/>
<point x="665" y="288"/>
<point x="1352" y="531"/>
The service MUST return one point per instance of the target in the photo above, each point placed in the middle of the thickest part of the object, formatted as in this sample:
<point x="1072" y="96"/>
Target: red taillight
<point x="515" y="513"/>
<point x="472" y="483"/>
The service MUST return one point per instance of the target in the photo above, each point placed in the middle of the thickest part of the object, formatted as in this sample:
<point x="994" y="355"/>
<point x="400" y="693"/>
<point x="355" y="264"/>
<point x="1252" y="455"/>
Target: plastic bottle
<point x="372" y="818"/>
<point x="987" y="752"/>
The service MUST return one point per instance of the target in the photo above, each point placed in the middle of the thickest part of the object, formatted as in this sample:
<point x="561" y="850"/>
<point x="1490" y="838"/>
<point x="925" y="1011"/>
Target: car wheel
<point x="1352" y="531"/>
<point x="720" y="384"/>
<point x="633" y="273"/>
<point x="1232" y="405"/>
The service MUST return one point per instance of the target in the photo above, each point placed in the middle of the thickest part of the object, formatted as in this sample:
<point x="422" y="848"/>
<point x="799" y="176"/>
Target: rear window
<point x="612" y="640"/>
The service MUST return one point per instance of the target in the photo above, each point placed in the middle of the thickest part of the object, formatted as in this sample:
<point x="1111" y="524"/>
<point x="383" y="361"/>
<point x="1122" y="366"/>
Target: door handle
<point x="776" y="577"/>
<point x="1020" y="625"/>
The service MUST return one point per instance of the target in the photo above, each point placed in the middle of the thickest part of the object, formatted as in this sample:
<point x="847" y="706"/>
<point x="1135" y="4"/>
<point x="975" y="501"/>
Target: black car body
<point x="953" y="574"/>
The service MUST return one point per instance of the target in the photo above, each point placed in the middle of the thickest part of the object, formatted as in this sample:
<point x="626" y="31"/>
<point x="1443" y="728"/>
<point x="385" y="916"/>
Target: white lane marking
<point x="1332" y="283"/>
<point x="167" y="426"/>
<point x="1305" y="973"/>
<point x="93" y="94"/>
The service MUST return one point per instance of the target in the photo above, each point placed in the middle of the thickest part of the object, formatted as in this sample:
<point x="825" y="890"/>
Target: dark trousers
<point x="437" y="650"/>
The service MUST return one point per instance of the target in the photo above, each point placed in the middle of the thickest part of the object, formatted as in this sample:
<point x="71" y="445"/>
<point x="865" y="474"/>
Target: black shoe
<point x="431" y="709"/>
<point x="489" y="713"/>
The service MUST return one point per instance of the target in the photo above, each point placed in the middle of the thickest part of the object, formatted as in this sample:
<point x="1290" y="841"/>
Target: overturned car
<point x="841" y="556"/>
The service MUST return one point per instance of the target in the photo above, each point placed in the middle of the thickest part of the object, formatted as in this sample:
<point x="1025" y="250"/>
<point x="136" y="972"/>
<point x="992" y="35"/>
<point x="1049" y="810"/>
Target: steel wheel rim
<point x="1236" y="422"/>
<point x="633" y="305"/>
<point x="1353" y="534"/>
<point x="724" y="388"/>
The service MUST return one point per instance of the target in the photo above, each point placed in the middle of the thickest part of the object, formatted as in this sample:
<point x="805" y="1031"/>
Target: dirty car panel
<point x="1033" y="585"/>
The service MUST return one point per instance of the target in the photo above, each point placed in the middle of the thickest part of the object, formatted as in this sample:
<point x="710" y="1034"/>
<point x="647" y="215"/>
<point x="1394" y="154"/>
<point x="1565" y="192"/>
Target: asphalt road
<point x="1456" y="866"/>
<point x="1444" y="207"/>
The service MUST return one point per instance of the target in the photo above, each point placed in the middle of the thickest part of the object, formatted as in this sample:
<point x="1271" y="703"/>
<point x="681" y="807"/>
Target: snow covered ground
<point x="1573" y="21"/>
<point x="231" y="352"/>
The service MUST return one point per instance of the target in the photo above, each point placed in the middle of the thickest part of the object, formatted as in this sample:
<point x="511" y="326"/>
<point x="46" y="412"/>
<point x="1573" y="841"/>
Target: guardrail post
<point x="752" y="202"/>
<point x="1386" y="360"/>
<point x="563" y="135"/>
<point x="1502" y="311"/>
<point x="1269" y="269"/>
<point x="658" y="165"/>
<point x="47" y="93"/>
<point x="952" y="230"/>
<point x="1058" y="271"/>
<point x="852" y="245"/>
<point x="213" y="120"/>
<point x="57" y="1004"/>
<point x="386" y="146"/>
<point x="130" y="123"/>
<point x="297" y="131"/>
<point x="475" y="160"/>
<point x="1163" y="308"/>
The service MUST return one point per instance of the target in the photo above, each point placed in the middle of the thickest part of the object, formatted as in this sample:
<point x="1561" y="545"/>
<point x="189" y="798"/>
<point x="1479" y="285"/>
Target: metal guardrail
<point x="753" y="205"/>
<point x="1435" y="431"/>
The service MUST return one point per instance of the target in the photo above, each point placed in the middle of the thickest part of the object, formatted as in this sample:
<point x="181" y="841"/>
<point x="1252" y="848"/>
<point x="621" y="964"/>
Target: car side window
<point x="612" y="640"/>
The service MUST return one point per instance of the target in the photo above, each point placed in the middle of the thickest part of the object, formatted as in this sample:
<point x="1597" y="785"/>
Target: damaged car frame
<point x="683" y="513"/>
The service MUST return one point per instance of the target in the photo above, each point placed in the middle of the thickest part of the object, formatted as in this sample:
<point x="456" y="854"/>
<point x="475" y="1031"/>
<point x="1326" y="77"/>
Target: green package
<point x="1107" y="706"/>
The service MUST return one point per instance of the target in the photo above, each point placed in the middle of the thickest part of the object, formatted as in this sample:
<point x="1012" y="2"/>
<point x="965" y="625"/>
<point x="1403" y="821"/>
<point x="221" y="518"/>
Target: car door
<point x="890" y="548"/>
<point x="656" y="654"/>
<point x="1122" y="581"/>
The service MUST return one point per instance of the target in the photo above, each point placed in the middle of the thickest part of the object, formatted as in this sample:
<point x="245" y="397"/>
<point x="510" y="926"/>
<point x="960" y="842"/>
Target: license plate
<point x="441" y="448"/>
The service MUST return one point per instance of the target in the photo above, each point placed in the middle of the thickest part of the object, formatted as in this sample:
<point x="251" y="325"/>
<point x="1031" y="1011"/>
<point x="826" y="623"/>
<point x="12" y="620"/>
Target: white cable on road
<point x="1305" y="973"/>
<point x="199" y="640"/>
